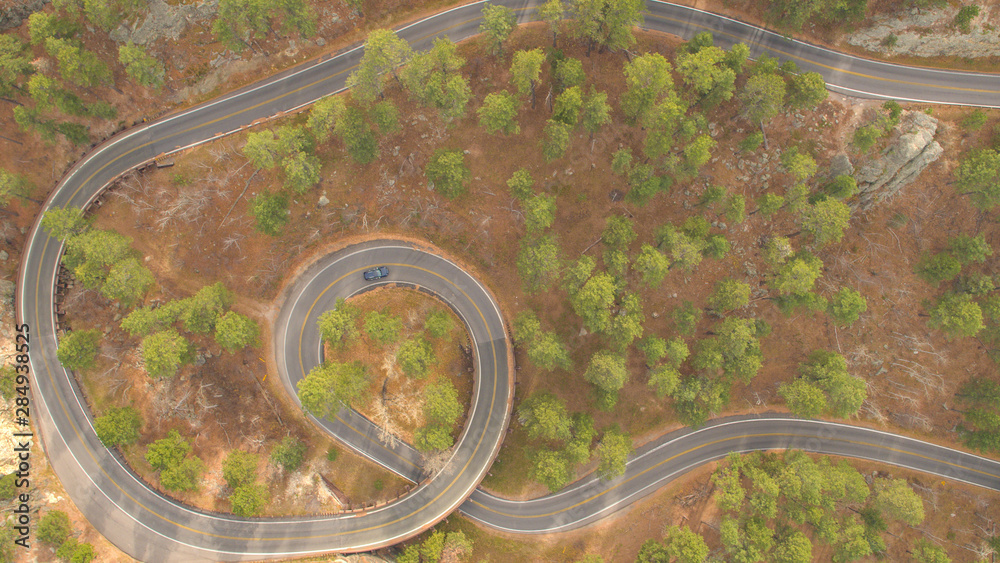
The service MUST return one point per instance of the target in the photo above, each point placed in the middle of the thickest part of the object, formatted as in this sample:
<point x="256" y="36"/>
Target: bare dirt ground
<point x="912" y="371"/>
<point x="179" y="219"/>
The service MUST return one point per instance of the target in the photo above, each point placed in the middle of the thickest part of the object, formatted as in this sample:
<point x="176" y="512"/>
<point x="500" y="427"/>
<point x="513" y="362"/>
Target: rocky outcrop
<point x="902" y="161"/>
<point x="13" y="16"/>
<point x="164" y="20"/>
<point x="929" y="33"/>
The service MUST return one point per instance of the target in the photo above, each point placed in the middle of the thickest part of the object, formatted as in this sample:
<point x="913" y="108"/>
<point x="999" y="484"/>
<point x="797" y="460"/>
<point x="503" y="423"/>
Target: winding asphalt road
<point x="152" y="528"/>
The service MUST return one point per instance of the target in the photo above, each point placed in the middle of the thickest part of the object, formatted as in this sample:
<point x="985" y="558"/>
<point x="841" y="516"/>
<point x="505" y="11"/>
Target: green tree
<point x="90" y="254"/>
<point x="386" y="117"/>
<point x="735" y="209"/>
<point x="607" y="23"/>
<point x="339" y="325"/>
<point x="16" y="185"/>
<point x="926" y="552"/>
<point x="119" y="426"/>
<point x="54" y="527"/>
<point x="235" y="332"/>
<point x="956" y="315"/>
<point x="545" y="349"/>
<point x="613" y="451"/>
<point x="270" y="211"/>
<point x="433" y="438"/>
<point x="706" y="75"/>
<point x="433" y="78"/>
<point x="664" y="380"/>
<point x="75" y="552"/>
<point x="167" y="452"/>
<point x="201" y="311"/>
<point x="441" y="405"/>
<point x="448" y="172"/>
<point x="827" y="372"/>
<point x="970" y="249"/>
<point x="8" y="487"/>
<point x="62" y="222"/>
<point x="538" y="262"/>
<point x="769" y="204"/>
<point x="248" y="500"/>
<point x="763" y="96"/>
<point x="163" y="353"/>
<point x="556" y="140"/>
<point x="384" y="53"/>
<point x="826" y="220"/>
<point x="357" y="135"/>
<point x="239" y="468"/>
<point x="521" y="184"/>
<point x="14" y="63"/>
<point x="144" y="68"/>
<point x="596" y="112"/>
<point x="184" y="476"/>
<point x="798" y="275"/>
<point x="324" y="115"/>
<point x="544" y="416"/>
<point x="806" y="90"/>
<point x="607" y="372"/>
<point x="525" y="69"/>
<point x="652" y="264"/>
<point x="552" y="13"/>
<point x="594" y="300"/>
<point x="686" y="318"/>
<point x="330" y="384"/>
<point x="499" y="113"/>
<point x="127" y="281"/>
<point x="567" y="106"/>
<point x="978" y="176"/>
<point x="846" y="306"/>
<point x="698" y="152"/>
<point x="415" y="356"/>
<point x="78" y="349"/>
<point x="618" y="232"/>
<point x="439" y="323"/>
<point x="684" y="546"/>
<point x="728" y="295"/>
<point x="551" y="469"/>
<point x="498" y="23"/>
<point x="289" y="454"/>
<point x="301" y="171"/>
<point x="936" y="268"/>
<point x="647" y="78"/>
<point x="382" y="327"/>
<point x="799" y="164"/>
<point x="567" y="72"/>
<point x="895" y="499"/>
<point x="842" y="187"/>
<point x="803" y="398"/>
<point x="76" y="64"/>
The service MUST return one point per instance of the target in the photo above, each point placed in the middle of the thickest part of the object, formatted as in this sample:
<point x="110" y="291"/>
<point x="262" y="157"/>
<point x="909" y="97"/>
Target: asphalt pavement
<point x="152" y="528"/>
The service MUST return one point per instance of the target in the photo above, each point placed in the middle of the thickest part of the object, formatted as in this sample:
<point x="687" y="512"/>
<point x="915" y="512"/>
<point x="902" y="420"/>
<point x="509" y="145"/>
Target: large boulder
<point x="902" y="161"/>
<point x="13" y="15"/>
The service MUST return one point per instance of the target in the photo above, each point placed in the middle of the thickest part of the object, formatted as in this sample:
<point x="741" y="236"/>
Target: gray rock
<point x="840" y="164"/>
<point x="323" y="201"/>
<point x="12" y="16"/>
<point x="4" y="256"/>
<point x="928" y="33"/>
<point x="320" y="42"/>
<point x="165" y="21"/>
<point x="7" y="288"/>
<point x="901" y="162"/>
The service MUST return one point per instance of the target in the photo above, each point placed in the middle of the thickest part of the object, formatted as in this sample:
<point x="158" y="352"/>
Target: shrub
<point x="964" y="17"/>
<point x="54" y="527"/>
<point x="289" y="453"/>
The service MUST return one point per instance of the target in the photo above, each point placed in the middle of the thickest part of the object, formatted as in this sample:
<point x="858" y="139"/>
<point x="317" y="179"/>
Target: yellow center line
<point x="828" y="67"/>
<point x="731" y="438"/>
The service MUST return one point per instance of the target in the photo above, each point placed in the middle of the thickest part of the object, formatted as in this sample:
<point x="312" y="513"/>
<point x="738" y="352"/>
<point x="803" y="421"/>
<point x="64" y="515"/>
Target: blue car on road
<point x="376" y="273"/>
